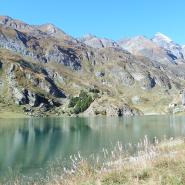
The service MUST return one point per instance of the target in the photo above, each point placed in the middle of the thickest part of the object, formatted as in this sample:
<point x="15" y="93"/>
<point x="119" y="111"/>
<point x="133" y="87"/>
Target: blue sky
<point x="113" y="19"/>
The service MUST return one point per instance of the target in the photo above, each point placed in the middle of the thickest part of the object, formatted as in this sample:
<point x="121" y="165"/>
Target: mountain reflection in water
<point x="31" y="143"/>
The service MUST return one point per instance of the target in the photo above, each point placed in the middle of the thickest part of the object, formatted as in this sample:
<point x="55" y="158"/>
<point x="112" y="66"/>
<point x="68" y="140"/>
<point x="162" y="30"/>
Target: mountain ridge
<point x="43" y="69"/>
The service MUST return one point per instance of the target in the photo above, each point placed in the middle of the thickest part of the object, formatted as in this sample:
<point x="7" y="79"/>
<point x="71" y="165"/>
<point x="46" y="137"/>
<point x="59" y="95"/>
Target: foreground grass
<point x="162" y="164"/>
<point x="155" y="164"/>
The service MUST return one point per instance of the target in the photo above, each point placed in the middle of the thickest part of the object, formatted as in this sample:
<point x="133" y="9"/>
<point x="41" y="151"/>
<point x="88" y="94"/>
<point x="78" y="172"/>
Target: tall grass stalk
<point x="116" y="166"/>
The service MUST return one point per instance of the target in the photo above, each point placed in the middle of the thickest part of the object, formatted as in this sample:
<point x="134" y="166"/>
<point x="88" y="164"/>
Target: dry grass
<point x="8" y="110"/>
<point x="154" y="164"/>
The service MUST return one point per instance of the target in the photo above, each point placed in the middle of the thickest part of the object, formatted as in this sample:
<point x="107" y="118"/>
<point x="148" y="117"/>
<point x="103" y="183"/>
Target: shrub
<point x="83" y="104"/>
<point x="80" y="103"/>
<point x="73" y="101"/>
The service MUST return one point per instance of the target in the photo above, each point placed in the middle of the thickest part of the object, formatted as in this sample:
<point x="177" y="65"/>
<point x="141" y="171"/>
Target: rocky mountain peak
<point x="162" y="41"/>
<point x="15" y="24"/>
<point x="137" y="44"/>
<point x="140" y="38"/>
<point x="5" y="19"/>
<point x="137" y="40"/>
<point x="159" y="37"/>
<point x="87" y="36"/>
<point x="50" y="29"/>
<point x="95" y="42"/>
<point x="173" y="49"/>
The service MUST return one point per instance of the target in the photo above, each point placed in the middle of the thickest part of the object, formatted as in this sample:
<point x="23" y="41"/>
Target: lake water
<point x="28" y="144"/>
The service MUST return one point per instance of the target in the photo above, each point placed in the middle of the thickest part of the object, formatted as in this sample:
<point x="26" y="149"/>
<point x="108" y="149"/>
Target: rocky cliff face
<point x="41" y="68"/>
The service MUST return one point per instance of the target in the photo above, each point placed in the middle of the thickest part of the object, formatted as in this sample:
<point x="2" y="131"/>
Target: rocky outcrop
<point x="163" y="81"/>
<point x="148" y="82"/>
<point x="122" y="76"/>
<point x="24" y="96"/>
<point x="123" y="110"/>
<point x="31" y="95"/>
<point x="20" y="96"/>
<point x="111" y="108"/>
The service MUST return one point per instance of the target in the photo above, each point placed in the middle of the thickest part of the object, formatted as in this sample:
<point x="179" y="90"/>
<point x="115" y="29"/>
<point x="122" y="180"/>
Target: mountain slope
<point x="42" y="69"/>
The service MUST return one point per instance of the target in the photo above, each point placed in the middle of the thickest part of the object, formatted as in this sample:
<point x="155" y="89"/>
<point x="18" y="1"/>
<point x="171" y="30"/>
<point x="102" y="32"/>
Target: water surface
<point x="28" y="144"/>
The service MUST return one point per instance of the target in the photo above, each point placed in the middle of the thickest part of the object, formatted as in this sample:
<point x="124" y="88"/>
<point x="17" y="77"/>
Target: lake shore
<point x="159" y="163"/>
<point x="14" y="113"/>
<point x="9" y="115"/>
<point x="163" y="163"/>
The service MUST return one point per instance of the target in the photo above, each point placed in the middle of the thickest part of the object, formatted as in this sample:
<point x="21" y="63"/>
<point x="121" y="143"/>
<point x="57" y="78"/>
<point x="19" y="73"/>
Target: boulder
<point x="118" y="109"/>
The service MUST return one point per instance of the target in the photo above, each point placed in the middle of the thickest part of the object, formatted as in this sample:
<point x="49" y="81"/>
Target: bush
<point x="80" y="103"/>
<point x="73" y="101"/>
<point x="83" y="104"/>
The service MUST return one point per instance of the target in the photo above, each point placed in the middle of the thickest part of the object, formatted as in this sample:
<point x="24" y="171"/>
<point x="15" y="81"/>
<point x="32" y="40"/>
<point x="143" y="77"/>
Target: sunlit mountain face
<point x="42" y="68"/>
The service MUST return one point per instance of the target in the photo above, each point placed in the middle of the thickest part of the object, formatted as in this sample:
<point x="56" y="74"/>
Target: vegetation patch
<point x="160" y="164"/>
<point x="80" y="103"/>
